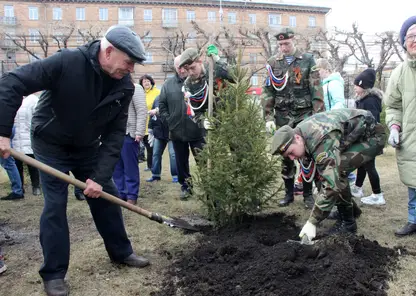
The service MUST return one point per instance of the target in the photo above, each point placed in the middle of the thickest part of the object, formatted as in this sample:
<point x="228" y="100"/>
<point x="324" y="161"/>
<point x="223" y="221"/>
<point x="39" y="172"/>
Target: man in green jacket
<point x="333" y="144"/>
<point x="401" y="121"/>
<point x="293" y="92"/>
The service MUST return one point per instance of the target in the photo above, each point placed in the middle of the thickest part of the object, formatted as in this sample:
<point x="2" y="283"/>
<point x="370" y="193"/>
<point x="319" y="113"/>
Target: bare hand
<point x="93" y="189"/>
<point x="138" y="138"/>
<point x="4" y="147"/>
<point x="152" y="112"/>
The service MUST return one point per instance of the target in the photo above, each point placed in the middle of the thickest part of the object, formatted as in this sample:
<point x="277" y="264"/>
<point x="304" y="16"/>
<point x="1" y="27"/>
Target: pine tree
<point x="236" y="176"/>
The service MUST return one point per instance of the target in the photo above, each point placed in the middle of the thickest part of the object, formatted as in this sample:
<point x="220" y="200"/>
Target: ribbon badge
<point x="298" y="74"/>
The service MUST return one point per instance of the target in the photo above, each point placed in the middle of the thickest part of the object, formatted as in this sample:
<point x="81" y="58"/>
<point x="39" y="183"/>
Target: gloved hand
<point x="270" y="127"/>
<point x="207" y="124"/>
<point x="394" y="138"/>
<point x="212" y="50"/>
<point x="309" y="230"/>
<point x="150" y="139"/>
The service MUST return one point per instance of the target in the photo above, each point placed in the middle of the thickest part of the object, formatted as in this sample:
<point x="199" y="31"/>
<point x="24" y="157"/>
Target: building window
<point x="191" y="37"/>
<point x="147" y="15"/>
<point x="253" y="58"/>
<point x="126" y="16"/>
<point x="190" y="16"/>
<point x="57" y="13"/>
<point x="254" y="80"/>
<point x="80" y="14"/>
<point x="80" y="39"/>
<point x="149" y="57"/>
<point x="211" y="16"/>
<point x="103" y="12"/>
<point x="33" y="13"/>
<point x="275" y="19"/>
<point x="312" y="21"/>
<point x="57" y="36"/>
<point x="292" y="21"/>
<point x="170" y="17"/>
<point x="252" y="19"/>
<point x="232" y="18"/>
<point x="33" y="35"/>
<point x="8" y="11"/>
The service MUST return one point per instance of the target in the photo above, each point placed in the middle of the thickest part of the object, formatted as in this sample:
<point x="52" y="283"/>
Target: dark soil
<point x="256" y="259"/>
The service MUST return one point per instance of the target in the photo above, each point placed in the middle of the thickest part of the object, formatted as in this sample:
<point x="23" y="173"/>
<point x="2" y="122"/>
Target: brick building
<point x="165" y="25"/>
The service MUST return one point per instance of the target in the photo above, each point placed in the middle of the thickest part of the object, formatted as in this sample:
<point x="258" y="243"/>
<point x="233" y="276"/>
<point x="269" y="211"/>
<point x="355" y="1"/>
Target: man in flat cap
<point x="78" y="126"/>
<point x="195" y="89"/>
<point x="333" y="144"/>
<point x="292" y="92"/>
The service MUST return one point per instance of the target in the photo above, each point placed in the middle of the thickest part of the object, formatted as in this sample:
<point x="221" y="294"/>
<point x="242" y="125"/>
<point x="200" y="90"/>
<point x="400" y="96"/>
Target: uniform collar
<point x="296" y="55"/>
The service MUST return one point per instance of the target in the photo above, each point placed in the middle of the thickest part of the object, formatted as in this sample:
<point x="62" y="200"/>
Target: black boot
<point x="356" y="209"/>
<point x="289" y="198"/>
<point x="408" y="229"/>
<point x="308" y="195"/>
<point x="347" y="223"/>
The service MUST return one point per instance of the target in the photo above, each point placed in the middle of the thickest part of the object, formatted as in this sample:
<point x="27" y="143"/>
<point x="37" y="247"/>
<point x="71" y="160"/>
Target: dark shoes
<point x="408" y="229"/>
<point x="135" y="261"/>
<point x="185" y="194"/>
<point x="80" y="196"/>
<point x="12" y="196"/>
<point x="309" y="201"/>
<point x="36" y="191"/>
<point x="153" y="179"/>
<point x="56" y="287"/>
<point x="289" y="198"/>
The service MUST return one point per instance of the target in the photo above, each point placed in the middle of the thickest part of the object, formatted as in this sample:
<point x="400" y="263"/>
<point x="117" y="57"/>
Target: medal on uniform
<point x="278" y="83"/>
<point x="298" y="74"/>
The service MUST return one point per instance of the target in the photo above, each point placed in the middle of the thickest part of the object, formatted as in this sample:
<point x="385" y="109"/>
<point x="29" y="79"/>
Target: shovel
<point x="172" y="222"/>
<point x="304" y="241"/>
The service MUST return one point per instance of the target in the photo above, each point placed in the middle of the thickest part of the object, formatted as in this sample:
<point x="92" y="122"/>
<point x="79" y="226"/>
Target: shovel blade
<point x="178" y="223"/>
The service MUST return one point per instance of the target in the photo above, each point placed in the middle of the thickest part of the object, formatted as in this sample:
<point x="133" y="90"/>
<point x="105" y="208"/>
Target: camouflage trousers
<point x="350" y="159"/>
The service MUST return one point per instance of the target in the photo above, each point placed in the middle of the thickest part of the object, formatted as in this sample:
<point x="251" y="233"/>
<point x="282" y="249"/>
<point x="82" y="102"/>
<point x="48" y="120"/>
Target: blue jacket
<point x="333" y="87"/>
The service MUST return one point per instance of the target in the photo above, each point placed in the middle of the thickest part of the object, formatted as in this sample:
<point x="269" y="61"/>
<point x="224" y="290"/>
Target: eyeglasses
<point x="411" y="38"/>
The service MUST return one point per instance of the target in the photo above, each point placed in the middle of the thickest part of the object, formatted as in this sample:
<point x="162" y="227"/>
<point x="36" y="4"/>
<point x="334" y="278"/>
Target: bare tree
<point x="92" y="32"/>
<point x="62" y="38"/>
<point x="261" y="37"/>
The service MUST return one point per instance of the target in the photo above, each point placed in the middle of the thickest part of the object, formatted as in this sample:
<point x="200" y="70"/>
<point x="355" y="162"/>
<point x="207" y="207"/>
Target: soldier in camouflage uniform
<point x="196" y="87"/>
<point x="292" y="92"/>
<point x="332" y="143"/>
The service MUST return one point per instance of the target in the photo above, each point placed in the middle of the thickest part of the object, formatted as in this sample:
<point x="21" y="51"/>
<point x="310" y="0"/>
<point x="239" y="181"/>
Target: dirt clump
<point x="256" y="259"/>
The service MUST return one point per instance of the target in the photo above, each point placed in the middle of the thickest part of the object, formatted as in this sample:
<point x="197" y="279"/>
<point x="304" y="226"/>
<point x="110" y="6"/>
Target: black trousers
<point x="182" y="159"/>
<point x="33" y="172"/>
<point x="149" y="151"/>
<point x="370" y="169"/>
<point x="54" y="232"/>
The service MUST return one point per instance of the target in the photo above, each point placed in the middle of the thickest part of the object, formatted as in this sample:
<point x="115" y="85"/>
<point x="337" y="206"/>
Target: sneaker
<point x="357" y="191"/>
<point x="3" y="266"/>
<point x="175" y="179"/>
<point x="374" y="199"/>
<point x="146" y="169"/>
<point x="36" y="191"/>
<point x="153" y="179"/>
<point x="12" y="196"/>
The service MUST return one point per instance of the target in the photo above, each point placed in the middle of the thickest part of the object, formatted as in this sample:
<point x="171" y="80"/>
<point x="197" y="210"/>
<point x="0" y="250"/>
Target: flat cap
<point x="189" y="56"/>
<point x="282" y="139"/>
<point x="124" y="39"/>
<point x="284" y="34"/>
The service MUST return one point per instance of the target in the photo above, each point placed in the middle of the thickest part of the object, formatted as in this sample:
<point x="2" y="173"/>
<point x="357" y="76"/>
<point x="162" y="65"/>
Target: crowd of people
<point x="92" y="119"/>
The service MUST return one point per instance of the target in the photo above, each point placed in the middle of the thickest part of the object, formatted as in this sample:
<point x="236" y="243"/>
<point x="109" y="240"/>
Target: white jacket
<point x="22" y="122"/>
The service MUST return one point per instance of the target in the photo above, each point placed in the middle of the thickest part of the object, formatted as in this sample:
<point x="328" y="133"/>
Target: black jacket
<point x="71" y="112"/>
<point x="160" y="128"/>
<point x="371" y="102"/>
<point x="172" y="109"/>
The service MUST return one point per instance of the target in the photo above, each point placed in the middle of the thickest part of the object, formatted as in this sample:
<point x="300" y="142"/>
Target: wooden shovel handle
<point x="71" y="180"/>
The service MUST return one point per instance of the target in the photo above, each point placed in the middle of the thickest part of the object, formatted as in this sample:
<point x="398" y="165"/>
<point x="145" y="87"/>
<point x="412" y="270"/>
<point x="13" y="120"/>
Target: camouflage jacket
<point x="199" y="88"/>
<point x="327" y="136"/>
<point x="302" y="95"/>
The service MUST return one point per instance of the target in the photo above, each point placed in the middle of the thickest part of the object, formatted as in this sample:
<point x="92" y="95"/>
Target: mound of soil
<point x="256" y="259"/>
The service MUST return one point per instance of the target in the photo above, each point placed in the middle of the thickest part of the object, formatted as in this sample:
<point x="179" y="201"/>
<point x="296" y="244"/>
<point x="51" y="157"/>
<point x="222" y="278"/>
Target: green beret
<point x="282" y="139"/>
<point x="188" y="57"/>
<point x="284" y="34"/>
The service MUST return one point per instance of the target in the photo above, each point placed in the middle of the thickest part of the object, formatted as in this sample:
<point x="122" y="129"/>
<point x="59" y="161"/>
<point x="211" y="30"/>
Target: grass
<point x="91" y="273"/>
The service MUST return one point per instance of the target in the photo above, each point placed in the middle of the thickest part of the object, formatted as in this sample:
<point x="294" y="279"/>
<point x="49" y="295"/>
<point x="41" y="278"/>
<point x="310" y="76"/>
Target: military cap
<point x="189" y="56"/>
<point x="124" y="39"/>
<point x="282" y="139"/>
<point x="284" y="34"/>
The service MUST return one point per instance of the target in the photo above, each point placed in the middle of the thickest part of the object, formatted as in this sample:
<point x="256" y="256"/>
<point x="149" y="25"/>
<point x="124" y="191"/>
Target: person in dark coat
<point x="368" y="98"/>
<point x="78" y="126"/>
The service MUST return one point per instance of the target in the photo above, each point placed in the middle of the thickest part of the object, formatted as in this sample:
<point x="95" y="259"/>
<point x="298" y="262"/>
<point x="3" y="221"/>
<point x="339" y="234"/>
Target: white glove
<point x="207" y="124"/>
<point x="270" y="127"/>
<point x="151" y="139"/>
<point x="309" y="230"/>
<point x="394" y="138"/>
